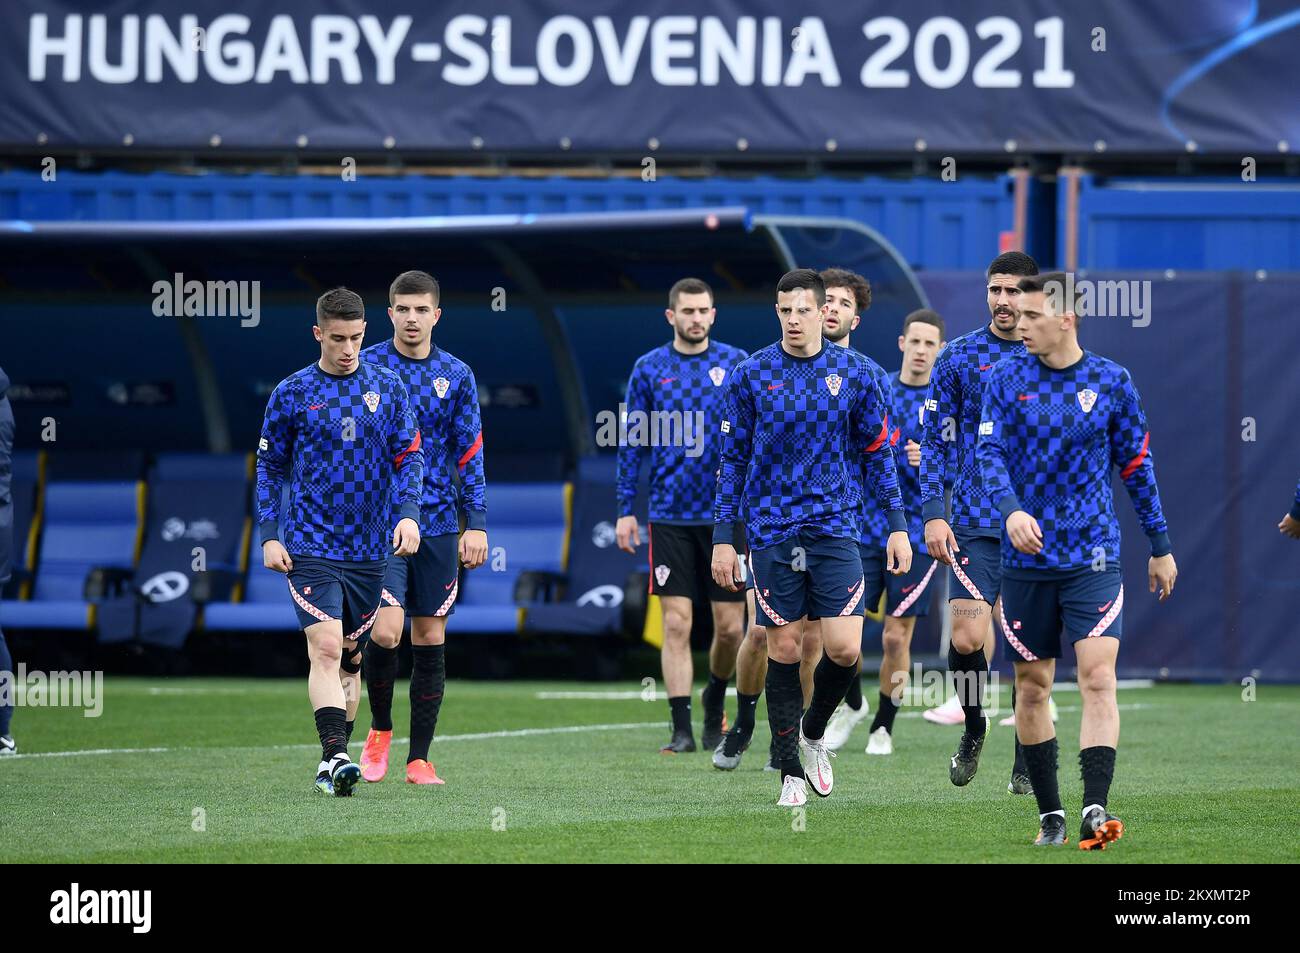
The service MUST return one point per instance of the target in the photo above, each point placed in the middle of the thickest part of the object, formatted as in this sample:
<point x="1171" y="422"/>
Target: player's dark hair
<point x="1060" y="289"/>
<point x="340" y="304"/>
<point x="843" y="278"/>
<point x="1012" y="263"/>
<point x="414" y="283"/>
<point x="688" y="286"/>
<point x="926" y="316"/>
<point x="804" y="278"/>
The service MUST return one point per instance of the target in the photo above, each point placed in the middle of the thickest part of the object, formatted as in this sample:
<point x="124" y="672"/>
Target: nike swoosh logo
<point x="1026" y="397"/>
<point x="315" y="406"/>
<point x="775" y="386"/>
<point x="985" y="367"/>
<point x="909" y="588"/>
<point x="667" y="380"/>
<point x="450" y="584"/>
<point x="1105" y="607"/>
<point x="787" y="731"/>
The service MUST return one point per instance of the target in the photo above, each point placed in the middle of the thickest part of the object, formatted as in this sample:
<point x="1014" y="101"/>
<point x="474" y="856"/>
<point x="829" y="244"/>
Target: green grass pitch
<point x="223" y="772"/>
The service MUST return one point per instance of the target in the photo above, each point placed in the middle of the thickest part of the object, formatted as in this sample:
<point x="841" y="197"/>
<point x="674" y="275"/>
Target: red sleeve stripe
<point x="1136" y="462"/>
<point x="880" y="437"/>
<point x="415" y="445"/>
<point x="475" y="447"/>
<point x="893" y="441"/>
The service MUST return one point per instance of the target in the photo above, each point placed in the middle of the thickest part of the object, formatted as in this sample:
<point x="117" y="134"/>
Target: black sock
<point x="348" y="733"/>
<point x="428" y="678"/>
<point x="1098" y="768"/>
<point x="830" y="682"/>
<point x="1017" y="766"/>
<point x="381" y="672"/>
<point x="1040" y="762"/>
<point x="784" y="705"/>
<point x="885" y="714"/>
<point x="853" y="697"/>
<point x="331" y="725"/>
<point x="715" y="695"/>
<point x="746" y="707"/>
<point x="970" y="672"/>
<point x="680" y="707"/>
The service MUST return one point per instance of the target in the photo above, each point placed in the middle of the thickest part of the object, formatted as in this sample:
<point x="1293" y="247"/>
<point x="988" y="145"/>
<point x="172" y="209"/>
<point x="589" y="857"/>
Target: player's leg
<point x="428" y="683"/>
<point x="896" y="642"/>
<point x="350" y="679"/>
<point x="678" y="671"/>
<point x="433" y="578"/>
<point x="854" y="709"/>
<point x="381" y="674"/>
<point x="810" y="654"/>
<point x="781" y="602"/>
<point x="1092" y="605"/>
<point x="335" y="774"/>
<point x="836" y="591"/>
<point x="7" y="745"/>
<point x="977" y="579"/>
<point x="751" y="670"/>
<point x="728" y="631"/>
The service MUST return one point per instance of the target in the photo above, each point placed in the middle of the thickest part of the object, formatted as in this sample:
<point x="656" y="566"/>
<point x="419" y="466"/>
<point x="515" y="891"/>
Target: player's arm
<point x="467" y="448"/>
<point x="871" y="428"/>
<point x="1130" y="450"/>
<point x="404" y="447"/>
<point x="735" y="447"/>
<point x="274" y="455"/>
<point x="626" y="533"/>
<point x="938" y="455"/>
<point x="991" y="454"/>
<point x="1290" y="524"/>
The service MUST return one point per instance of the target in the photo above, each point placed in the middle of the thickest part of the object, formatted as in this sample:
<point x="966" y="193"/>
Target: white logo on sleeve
<point x="726" y="427"/>
<point x="1087" y="398"/>
<point x="717" y="375"/>
<point x="986" y="428"/>
<point x="261" y="444"/>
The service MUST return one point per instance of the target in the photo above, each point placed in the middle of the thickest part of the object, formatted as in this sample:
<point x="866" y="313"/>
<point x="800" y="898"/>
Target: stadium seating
<point x="195" y="501"/>
<point x="602" y="581"/>
<point x="25" y="487"/>
<point x="528" y="529"/>
<point x="91" y="534"/>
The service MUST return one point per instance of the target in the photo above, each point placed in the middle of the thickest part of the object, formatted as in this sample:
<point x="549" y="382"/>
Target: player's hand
<point x="726" y="567"/>
<point x="1161" y="574"/>
<point x="473" y="548"/>
<point x="627" y="534"/>
<point x="913" y="453"/>
<point x="898" y="554"/>
<point x="939" y="541"/>
<point x="275" y="556"/>
<point x="406" y="537"/>
<point x="1025" y="533"/>
<point x="1289" y="527"/>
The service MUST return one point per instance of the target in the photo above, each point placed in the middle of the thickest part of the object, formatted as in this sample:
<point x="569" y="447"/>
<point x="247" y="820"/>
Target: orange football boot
<point x="422" y="772"/>
<point x="374" y="757"/>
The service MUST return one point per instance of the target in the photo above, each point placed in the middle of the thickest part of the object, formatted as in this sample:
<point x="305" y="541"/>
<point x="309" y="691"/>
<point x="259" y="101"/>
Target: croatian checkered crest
<point x="371" y="399"/>
<point x="833" y="382"/>
<point x="717" y="375"/>
<point x="1087" y="398"/>
<point x="440" y="384"/>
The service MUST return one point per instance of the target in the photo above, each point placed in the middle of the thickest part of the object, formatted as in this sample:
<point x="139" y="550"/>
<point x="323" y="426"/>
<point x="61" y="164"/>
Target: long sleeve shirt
<point x="790" y="431"/>
<point x="444" y="399"/>
<point x="1048" y="442"/>
<point x="338" y="443"/>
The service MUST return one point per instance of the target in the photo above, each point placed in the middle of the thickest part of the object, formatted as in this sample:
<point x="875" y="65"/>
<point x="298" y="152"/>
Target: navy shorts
<point x="978" y="573"/>
<point x="906" y="596"/>
<point x="427" y="582"/>
<point x="829" y="584"/>
<point x="327" y="589"/>
<point x="1038" y="606"/>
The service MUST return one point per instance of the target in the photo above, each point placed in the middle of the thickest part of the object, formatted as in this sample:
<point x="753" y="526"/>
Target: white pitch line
<point x="634" y="695"/>
<point x="472" y="736"/>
